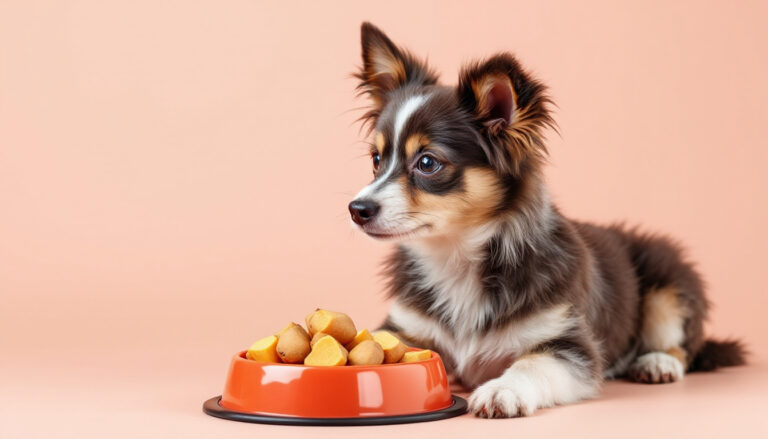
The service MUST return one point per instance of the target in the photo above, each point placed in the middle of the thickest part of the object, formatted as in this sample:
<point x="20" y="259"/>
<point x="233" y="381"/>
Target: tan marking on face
<point x="678" y="353"/>
<point x="472" y="206"/>
<point x="379" y="141"/>
<point x="414" y="142"/>
<point x="663" y="319"/>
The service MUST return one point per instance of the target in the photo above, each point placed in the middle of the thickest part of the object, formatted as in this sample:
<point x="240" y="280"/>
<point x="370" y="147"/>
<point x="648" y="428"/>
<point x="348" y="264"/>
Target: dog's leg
<point x="561" y="371"/>
<point x="663" y="358"/>
<point x="673" y="310"/>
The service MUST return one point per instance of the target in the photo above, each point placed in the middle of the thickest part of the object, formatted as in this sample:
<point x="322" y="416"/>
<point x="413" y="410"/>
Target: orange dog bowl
<point x="295" y="394"/>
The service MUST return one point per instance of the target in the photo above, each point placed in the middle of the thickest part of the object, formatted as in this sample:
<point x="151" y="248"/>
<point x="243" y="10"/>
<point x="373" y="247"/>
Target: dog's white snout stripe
<point x="403" y="113"/>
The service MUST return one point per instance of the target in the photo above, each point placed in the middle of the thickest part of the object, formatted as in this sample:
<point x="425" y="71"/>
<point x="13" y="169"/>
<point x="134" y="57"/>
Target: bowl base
<point x="457" y="408"/>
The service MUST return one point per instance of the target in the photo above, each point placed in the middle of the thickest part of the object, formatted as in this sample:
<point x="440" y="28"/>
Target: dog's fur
<point x="527" y="307"/>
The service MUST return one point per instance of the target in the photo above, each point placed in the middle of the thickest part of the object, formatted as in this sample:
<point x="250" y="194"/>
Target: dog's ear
<point x="387" y="67"/>
<point x="511" y="111"/>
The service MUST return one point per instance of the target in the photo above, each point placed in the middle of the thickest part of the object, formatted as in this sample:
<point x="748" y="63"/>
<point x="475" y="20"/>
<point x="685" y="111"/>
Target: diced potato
<point x="264" y="350"/>
<point x="394" y="349"/>
<point x="414" y="356"/>
<point x="336" y="324"/>
<point x="365" y="353"/>
<point x="293" y="344"/>
<point x="362" y="335"/>
<point x="308" y="318"/>
<point x="317" y="337"/>
<point x="332" y="340"/>
<point x="327" y="352"/>
<point x="290" y="326"/>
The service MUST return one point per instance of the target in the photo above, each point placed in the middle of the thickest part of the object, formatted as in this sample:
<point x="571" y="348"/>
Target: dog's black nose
<point x="363" y="211"/>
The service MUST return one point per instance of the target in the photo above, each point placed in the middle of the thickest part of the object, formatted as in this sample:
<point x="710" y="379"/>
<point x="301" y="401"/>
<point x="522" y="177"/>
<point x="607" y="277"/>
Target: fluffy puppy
<point x="528" y="308"/>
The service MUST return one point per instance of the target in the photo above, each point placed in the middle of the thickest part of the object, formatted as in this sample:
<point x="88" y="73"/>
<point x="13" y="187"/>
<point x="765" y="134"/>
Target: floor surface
<point x="138" y="400"/>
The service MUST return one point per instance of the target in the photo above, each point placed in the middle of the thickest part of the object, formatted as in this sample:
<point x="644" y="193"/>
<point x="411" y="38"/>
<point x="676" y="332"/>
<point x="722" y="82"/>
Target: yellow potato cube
<point x="414" y="356"/>
<point x="316" y="337"/>
<point x="264" y="350"/>
<point x="336" y="324"/>
<point x="362" y="335"/>
<point x="394" y="349"/>
<point x="327" y="352"/>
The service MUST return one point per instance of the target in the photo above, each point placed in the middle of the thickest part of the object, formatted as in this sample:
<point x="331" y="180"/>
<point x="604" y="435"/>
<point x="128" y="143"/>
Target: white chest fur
<point x="450" y="269"/>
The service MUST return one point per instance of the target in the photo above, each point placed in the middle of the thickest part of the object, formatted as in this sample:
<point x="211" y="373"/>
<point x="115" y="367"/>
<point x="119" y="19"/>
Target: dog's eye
<point x="376" y="159"/>
<point x="428" y="164"/>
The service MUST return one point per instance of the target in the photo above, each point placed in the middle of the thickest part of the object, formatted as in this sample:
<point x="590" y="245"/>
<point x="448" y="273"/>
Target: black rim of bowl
<point x="457" y="408"/>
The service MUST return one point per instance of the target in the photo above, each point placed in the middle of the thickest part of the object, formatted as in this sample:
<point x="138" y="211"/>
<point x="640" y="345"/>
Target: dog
<point x="528" y="308"/>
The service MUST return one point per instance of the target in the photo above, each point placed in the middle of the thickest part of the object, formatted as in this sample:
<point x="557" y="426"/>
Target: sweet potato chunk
<point x="361" y="336"/>
<point x="394" y="349"/>
<point x="336" y="324"/>
<point x="307" y="319"/>
<point x="332" y="340"/>
<point x="327" y="352"/>
<point x="365" y="353"/>
<point x="293" y="344"/>
<point x="291" y="326"/>
<point x="264" y="350"/>
<point x="414" y="356"/>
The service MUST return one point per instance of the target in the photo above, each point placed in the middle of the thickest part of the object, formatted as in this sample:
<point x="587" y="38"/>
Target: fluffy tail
<point x="716" y="354"/>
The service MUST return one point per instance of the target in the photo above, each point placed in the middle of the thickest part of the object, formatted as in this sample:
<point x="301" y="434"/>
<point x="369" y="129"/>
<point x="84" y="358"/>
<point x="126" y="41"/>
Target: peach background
<point x="174" y="178"/>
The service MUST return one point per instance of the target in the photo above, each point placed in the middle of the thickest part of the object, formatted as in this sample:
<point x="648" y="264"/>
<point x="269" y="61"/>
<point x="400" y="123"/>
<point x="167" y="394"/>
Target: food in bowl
<point x="394" y="349"/>
<point x="327" y="352"/>
<point x="264" y="350"/>
<point x="293" y="344"/>
<point x="362" y="335"/>
<point x="366" y="353"/>
<point x="331" y="339"/>
<point x="414" y="356"/>
<point x="336" y="324"/>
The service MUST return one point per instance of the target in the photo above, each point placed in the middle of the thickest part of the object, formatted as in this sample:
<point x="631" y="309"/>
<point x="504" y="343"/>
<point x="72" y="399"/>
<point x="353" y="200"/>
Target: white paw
<point x="504" y="398"/>
<point x="656" y="367"/>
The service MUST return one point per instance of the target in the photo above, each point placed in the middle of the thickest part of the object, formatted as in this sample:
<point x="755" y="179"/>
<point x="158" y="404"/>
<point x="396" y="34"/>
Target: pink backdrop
<point x="174" y="175"/>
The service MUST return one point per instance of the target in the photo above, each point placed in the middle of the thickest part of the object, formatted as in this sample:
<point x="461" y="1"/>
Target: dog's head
<point x="445" y="158"/>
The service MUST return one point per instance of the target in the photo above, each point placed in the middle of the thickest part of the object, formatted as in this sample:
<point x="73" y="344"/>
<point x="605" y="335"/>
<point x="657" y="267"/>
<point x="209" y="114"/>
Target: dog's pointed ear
<point x="386" y="66"/>
<point x="511" y="111"/>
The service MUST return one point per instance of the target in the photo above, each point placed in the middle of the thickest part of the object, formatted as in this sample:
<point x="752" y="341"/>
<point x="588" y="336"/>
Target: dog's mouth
<point x="395" y="234"/>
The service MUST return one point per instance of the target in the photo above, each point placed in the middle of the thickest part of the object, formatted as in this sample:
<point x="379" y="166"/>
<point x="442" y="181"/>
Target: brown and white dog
<point x="528" y="308"/>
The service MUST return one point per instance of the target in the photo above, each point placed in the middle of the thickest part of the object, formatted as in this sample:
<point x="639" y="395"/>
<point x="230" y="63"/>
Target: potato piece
<point x="327" y="352"/>
<point x="414" y="356"/>
<point x="362" y="335"/>
<point x="292" y="325"/>
<point x="336" y="324"/>
<point x="317" y="337"/>
<point x="308" y="318"/>
<point x="264" y="350"/>
<point x="293" y="344"/>
<point x="365" y="353"/>
<point x="394" y="349"/>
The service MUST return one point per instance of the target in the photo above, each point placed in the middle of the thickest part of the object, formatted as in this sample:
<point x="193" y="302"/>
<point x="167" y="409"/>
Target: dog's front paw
<point x="504" y="398"/>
